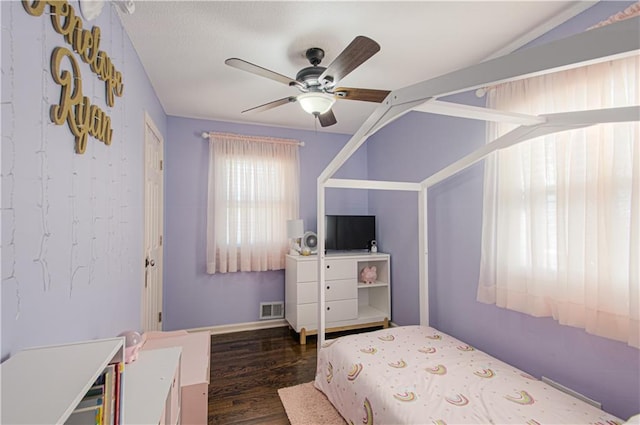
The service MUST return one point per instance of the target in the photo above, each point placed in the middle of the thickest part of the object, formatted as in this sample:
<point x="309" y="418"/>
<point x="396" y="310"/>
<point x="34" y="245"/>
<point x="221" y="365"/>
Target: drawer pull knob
<point x="328" y="308"/>
<point x="328" y="266"/>
<point x="328" y="287"/>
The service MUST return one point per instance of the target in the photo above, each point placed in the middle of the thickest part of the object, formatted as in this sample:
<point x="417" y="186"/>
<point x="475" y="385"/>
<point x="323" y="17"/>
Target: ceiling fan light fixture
<point x="316" y="103"/>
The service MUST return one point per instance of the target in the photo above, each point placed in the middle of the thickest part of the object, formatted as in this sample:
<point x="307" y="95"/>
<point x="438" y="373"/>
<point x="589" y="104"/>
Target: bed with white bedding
<point x="419" y="375"/>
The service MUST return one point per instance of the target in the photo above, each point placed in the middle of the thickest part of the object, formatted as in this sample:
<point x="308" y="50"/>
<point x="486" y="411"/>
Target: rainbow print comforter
<point x="419" y="375"/>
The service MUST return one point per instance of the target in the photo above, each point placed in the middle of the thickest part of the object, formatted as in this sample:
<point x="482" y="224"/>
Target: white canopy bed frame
<point x="610" y="42"/>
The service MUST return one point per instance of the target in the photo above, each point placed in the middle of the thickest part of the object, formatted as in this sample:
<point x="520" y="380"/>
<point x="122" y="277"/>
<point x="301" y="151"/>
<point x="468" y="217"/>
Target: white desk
<point x="194" y="371"/>
<point x="151" y="388"/>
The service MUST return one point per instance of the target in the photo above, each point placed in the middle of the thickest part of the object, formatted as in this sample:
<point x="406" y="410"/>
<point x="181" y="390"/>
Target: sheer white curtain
<point x="561" y="219"/>
<point x="253" y="190"/>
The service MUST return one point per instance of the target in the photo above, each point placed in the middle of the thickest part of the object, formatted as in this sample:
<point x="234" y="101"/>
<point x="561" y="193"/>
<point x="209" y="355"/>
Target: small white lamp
<point x="295" y="230"/>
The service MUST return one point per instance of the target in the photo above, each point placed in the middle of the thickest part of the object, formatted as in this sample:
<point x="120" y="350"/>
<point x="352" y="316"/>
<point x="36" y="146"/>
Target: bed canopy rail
<point x="597" y="45"/>
<point x="554" y="123"/>
<point x="618" y="40"/>
<point x="550" y="123"/>
<point x="373" y="184"/>
<point x="477" y="113"/>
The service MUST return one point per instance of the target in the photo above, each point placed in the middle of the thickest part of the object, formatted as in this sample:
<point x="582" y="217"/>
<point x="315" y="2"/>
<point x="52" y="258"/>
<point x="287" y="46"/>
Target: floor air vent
<point x="272" y="310"/>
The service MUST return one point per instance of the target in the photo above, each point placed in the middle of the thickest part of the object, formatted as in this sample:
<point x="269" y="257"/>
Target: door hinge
<point x="160" y="240"/>
<point x="159" y="317"/>
<point x="160" y="165"/>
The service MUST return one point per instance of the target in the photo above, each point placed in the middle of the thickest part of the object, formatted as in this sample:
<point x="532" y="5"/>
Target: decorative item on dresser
<point x="373" y="246"/>
<point x="295" y="230"/>
<point x="350" y="304"/>
<point x="309" y="243"/>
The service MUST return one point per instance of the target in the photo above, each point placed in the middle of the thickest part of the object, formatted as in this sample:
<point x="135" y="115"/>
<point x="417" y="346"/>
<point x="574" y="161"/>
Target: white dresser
<point x="350" y="304"/>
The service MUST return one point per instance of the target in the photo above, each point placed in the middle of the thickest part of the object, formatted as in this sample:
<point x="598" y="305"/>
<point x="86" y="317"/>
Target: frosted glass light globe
<point x="316" y="103"/>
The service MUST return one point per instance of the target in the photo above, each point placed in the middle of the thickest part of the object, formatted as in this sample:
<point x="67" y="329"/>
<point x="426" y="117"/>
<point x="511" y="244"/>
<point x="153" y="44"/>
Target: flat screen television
<point x="349" y="232"/>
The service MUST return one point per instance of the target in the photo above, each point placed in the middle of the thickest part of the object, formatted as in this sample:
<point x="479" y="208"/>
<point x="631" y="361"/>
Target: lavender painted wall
<point x="72" y="230"/>
<point x="414" y="147"/>
<point x="193" y="298"/>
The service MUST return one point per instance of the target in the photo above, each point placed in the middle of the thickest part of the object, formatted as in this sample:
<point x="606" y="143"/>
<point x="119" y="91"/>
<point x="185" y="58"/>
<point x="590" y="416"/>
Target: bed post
<point x="423" y="254"/>
<point x="321" y="259"/>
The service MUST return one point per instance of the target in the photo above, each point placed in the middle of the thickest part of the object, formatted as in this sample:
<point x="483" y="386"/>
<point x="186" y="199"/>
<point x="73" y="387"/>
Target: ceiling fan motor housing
<point x="309" y="75"/>
<point x="315" y="55"/>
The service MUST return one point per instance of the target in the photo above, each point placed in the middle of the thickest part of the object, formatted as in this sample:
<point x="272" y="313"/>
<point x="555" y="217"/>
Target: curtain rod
<point x="206" y="135"/>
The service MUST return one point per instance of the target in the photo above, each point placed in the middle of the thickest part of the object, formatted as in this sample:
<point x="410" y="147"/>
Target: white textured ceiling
<point x="183" y="46"/>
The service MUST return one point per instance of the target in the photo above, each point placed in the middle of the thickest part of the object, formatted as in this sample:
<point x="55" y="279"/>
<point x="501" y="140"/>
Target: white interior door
<point x="153" y="224"/>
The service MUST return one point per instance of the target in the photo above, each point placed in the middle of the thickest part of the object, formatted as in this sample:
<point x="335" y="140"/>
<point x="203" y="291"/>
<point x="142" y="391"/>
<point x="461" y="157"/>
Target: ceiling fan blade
<point x="258" y="70"/>
<point x="271" y="105"/>
<point x="354" y="55"/>
<point x="366" y="95"/>
<point x="327" y="119"/>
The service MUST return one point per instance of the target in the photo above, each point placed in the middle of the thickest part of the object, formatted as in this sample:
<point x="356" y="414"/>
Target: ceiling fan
<point x="317" y="84"/>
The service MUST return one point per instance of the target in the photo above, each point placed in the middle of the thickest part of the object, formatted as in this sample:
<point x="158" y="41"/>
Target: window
<point x="253" y="191"/>
<point x="561" y="218"/>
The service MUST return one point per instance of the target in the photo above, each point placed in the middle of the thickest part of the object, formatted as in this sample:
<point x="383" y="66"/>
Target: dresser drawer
<point x="307" y="292"/>
<point x="307" y="271"/>
<point x="335" y="311"/>
<point x="339" y="269"/>
<point x="308" y="316"/>
<point x="341" y="310"/>
<point x="334" y="290"/>
<point x="340" y="289"/>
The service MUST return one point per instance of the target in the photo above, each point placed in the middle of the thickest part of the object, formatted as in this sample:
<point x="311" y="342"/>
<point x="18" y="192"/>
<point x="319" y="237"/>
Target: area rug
<point x="305" y="405"/>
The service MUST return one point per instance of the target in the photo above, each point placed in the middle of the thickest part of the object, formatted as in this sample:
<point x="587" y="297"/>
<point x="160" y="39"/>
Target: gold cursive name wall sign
<point x="82" y="117"/>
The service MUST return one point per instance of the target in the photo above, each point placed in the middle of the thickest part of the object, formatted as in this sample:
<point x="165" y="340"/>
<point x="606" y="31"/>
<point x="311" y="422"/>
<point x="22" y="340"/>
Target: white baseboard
<point x="249" y="326"/>
<point x="571" y="392"/>
<point x="239" y="327"/>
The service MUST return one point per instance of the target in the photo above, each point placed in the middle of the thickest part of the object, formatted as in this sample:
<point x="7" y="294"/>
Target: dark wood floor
<point x="248" y="368"/>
